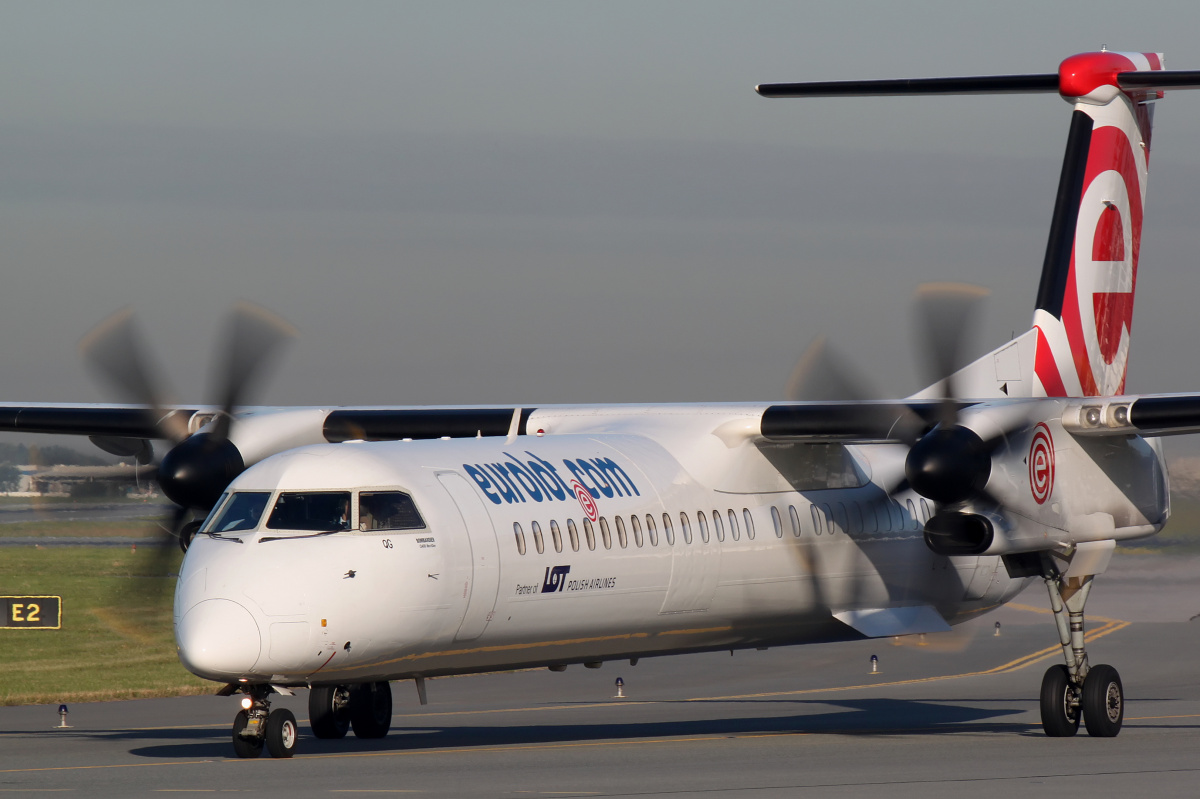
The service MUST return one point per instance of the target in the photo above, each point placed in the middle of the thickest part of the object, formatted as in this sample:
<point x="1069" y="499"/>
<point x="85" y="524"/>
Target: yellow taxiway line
<point x="1109" y="627"/>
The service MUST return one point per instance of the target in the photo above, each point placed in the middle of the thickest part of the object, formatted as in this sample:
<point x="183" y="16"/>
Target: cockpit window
<point x="242" y="512"/>
<point x="324" y="511"/>
<point x="388" y="510"/>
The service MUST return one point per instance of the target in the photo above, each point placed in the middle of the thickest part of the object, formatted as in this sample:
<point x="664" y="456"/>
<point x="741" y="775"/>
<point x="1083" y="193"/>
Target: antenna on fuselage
<point x="514" y="427"/>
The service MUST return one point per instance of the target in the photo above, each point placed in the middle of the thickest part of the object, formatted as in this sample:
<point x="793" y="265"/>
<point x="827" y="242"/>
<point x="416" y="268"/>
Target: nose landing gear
<point x="257" y="725"/>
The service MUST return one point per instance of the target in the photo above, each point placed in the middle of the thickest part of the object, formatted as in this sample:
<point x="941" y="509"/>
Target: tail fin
<point x="1085" y="301"/>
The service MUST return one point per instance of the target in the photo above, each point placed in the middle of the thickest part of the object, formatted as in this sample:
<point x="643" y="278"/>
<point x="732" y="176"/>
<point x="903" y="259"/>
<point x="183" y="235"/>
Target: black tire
<point x="244" y="747"/>
<point x="282" y="733"/>
<point x="371" y="709"/>
<point x="1103" y="702"/>
<point x="329" y="711"/>
<point x="1060" y="714"/>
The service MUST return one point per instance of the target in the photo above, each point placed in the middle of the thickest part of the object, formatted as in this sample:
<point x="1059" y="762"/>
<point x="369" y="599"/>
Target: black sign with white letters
<point x="31" y="612"/>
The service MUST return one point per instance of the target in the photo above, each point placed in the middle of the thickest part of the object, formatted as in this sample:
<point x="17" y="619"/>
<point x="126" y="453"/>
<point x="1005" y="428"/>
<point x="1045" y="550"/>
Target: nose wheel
<point x="256" y="726"/>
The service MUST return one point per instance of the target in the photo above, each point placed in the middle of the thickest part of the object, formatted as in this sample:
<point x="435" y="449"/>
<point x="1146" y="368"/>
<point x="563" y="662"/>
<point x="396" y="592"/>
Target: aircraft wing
<point x="844" y="422"/>
<point x="1135" y="414"/>
<point x="340" y="424"/>
<point x="896" y="422"/>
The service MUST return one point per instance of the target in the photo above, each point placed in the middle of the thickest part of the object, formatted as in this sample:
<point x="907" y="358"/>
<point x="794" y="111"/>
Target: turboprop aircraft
<point x="344" y="548"/>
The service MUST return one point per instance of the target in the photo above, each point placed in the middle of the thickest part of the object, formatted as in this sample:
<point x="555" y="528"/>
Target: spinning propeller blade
<point x="195" y="471"/>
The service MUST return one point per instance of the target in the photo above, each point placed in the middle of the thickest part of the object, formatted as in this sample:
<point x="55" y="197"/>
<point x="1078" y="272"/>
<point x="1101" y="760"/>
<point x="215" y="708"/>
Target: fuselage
<point x="559" y="548"/>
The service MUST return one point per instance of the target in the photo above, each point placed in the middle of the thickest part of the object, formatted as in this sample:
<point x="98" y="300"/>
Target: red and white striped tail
<point x="1085" y="303"/>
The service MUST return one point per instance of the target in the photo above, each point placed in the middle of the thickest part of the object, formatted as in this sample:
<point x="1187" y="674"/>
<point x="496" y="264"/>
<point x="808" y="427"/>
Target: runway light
<point x="874" y="664"/>
<point x="247" y="703"/>
<point x="62" y="718"/>
<point x="997" y="629"/>
<point x="620" y="689"/>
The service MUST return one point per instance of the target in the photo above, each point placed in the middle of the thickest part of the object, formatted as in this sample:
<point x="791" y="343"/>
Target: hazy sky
<point x="549" y="202"/>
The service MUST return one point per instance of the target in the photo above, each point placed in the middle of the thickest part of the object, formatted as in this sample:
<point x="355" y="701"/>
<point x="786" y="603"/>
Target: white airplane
<point x="346" y="548"/>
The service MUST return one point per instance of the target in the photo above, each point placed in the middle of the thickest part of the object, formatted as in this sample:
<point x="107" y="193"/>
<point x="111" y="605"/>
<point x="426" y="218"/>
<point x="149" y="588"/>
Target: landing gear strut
<point x="1077" y="690"/>
<point x="257" y="725"/>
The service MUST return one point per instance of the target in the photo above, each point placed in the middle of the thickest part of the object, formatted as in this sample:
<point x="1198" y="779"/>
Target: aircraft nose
<point x="218" y="639"/>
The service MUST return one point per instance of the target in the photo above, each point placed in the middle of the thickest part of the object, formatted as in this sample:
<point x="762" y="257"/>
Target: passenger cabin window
<point x="388" y="510"/>
<point x="242" y="512"/>
<point x="818" y="522"/>
<point x="856" y="517"/>
<point x="734" y="531"/>
<point x="605" y="535"/>
<point x="556" y="535"/>
<point x="749" y="523"/>
<point x="651" y="531"/>
<point x="775" y="520"/>
<point x="912" y="515"/>
<point x="538" y="543"/>
<point x="687" y="528"/>
<point x="573" y="534"/>
<point x="718" y="526"/>
<point x="702" y="520"/>
<point x="622" y="538"/>
<point x="841" y="517"/>
<point x="794" y="517"/>
<point x="520" y="536"/>
<point x="315" y="511"/>
<point x="637" y="531"/>
<point x="668" y="530"/>
<point x="590" y="534"/>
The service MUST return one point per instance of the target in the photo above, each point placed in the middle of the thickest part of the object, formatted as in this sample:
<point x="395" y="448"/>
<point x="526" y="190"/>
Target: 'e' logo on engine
<point x="1041" y="464"/>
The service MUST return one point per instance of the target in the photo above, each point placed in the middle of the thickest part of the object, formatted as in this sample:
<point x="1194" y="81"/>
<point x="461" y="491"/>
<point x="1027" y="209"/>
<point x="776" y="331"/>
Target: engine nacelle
<point x="957" y="533"/>
<point x="989" y="533"/>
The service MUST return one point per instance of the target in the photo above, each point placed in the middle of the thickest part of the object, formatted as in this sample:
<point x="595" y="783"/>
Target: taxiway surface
<point x="955" y="716"/>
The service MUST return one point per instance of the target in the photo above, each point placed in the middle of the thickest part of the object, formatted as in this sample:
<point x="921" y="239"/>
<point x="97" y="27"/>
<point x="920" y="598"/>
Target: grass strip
<point x="116" y="640"/>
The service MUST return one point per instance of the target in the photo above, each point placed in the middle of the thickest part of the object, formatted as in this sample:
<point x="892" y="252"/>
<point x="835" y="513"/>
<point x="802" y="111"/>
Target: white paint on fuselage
<point x="401" y="599"/>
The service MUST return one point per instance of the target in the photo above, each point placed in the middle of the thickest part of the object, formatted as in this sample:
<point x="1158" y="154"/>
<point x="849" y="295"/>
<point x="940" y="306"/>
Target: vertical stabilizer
<point x="1085" y="301"/>
<point x="1080" y="333"/>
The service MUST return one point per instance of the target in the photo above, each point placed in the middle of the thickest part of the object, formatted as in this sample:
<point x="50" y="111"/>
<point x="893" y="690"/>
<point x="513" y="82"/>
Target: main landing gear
<point x="364" y="707"/>
<point x="332" y="711"/>
<point x="1076" y="690"/>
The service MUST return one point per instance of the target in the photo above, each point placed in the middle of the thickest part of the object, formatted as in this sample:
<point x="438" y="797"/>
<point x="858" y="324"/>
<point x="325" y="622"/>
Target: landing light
<point x="247" y="702"/>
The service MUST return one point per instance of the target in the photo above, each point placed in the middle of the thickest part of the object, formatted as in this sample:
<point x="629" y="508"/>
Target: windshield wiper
<point x="224" y="537"/>
<point x="309" y="535"/>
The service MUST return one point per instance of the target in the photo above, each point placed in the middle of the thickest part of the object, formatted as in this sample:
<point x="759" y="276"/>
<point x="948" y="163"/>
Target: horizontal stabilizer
<point x="886" y="622"/>
<point x="988" y="84"/>
<point x="1160" y="79"/>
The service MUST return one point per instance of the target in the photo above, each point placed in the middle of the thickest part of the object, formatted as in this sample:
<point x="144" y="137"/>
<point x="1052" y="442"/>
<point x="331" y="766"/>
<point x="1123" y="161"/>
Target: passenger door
<point x="485" y="556"/>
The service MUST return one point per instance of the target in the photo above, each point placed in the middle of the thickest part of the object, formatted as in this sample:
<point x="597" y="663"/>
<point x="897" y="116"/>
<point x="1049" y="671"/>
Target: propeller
<point x="950" y="463"/>
<point x="198" y="467"/>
